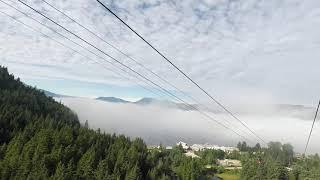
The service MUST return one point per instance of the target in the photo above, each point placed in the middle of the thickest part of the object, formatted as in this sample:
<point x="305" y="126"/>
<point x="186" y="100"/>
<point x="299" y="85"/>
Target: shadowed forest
<point x="42" y="139"/>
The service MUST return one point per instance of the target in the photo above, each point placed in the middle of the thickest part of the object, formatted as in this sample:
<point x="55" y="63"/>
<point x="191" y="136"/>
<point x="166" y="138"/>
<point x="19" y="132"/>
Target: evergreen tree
<point x="42" y="139"/>
<point x="60" y="172"/>
<point x="86" y="164"/>
<point x="133" y="174"/>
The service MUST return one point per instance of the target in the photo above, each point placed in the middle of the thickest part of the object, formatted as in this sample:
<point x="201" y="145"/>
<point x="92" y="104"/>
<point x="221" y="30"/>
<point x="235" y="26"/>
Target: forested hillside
<point x="42" y="139"/>
<point x="277" y="162"/>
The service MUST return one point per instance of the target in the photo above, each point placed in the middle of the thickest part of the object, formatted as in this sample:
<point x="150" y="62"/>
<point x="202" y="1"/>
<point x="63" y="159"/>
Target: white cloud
<point x="231" y="48"/>
<point x="161" y="125"/>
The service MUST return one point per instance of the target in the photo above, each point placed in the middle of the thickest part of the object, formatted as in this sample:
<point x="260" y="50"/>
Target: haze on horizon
<point x="244" y="52"/>
<point x="160" y="124"/>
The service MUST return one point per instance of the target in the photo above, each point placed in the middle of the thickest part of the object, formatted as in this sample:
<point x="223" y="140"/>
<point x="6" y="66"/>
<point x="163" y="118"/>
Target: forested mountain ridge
<point x="42" y="139"/>
<point x="21" y="105"/>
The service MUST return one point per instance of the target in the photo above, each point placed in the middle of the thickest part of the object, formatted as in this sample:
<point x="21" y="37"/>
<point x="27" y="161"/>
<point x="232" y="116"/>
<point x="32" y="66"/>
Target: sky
<point x="241" y="51"/>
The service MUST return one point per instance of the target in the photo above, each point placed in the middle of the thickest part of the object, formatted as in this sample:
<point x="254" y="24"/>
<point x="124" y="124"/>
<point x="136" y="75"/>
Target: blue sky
<point x="239" y="50"/>
<point x="89" y="89"/>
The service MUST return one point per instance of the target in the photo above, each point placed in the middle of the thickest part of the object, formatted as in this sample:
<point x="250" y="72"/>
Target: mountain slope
<point x="54" y="95"/>
<point x="42" y="139"/>
<point x="112" y="100"/>
<point x="150" y="102"/>
<point x="297" y="111"/>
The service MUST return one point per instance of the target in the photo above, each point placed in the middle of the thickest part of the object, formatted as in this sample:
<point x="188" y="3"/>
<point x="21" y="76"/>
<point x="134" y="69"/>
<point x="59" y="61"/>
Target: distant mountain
<point x="46" y="123"/>
<point x="188" y="107"/>
<point x="144" y="101"/>
<point x="147" y="101"/>
<point x="153" y="101"/>
<point x="167" y="104"/>
<point x="298" y="111"/>
<point x="112" y="100"/>
<point x="293" y="107"/>
<point x="150" y="101"/>
<point x="51" y="94"/>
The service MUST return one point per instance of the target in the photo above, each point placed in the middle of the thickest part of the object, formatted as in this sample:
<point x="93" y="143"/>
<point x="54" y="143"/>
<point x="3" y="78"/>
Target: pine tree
<point x="86" y="164"/>
<point x="133" y="174"/>
<point x="70" y="170"/>
<point x="86" y="124"/>
<point x="3" y="149"/>
<point x="60" y="172"/>
<point x="42" y="139"/>
<point x="102" y="170"/>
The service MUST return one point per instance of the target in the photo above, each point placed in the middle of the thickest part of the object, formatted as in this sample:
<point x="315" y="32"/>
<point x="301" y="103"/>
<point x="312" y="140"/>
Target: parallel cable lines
<point x="137" y="73"/>
<point x="129" y="57"/>
<point x="121" y="52"/>
<point x="314" y="120"/>
<point x="75" y="51"/>
<point x="81" y="46"/>
<point x="183" y="73"/>
<point x="103" y="52"/>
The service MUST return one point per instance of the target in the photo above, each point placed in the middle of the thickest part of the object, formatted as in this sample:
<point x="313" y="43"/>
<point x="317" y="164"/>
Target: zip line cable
<point x="129" y="57"/>
<point x="314" y="120"/>
<point x="139" y="74"/>
<point x="168" y="92"/>
<point x="138" y="77"/>
<point x="183" y="73"/>
<point x="53" y="30"/>
<point x="117" y="49"/>
<point x="98" y="49"/>
<point x="75" y="51"/>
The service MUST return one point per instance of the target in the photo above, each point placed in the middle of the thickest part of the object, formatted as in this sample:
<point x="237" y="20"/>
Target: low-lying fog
<point x="167" y="126"/>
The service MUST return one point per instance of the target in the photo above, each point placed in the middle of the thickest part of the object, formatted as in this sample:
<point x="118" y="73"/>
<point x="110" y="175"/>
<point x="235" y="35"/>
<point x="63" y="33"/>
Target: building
<point x="199" y="147"/>
<point x="191" y="154"/>
<point x="222" y="148"/>
<point x="184" y="145"/>
<point x="229" y="163"/>
<point x="299" y="156"/>
<point x="153" y="147"/>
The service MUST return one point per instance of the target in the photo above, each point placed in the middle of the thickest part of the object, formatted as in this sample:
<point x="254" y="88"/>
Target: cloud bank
<point x="240" y="50"/>
<point x="157" y="124"/>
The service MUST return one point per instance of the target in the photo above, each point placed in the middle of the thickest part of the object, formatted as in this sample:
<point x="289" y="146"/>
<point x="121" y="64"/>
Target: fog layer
<point x="167" y="126"/>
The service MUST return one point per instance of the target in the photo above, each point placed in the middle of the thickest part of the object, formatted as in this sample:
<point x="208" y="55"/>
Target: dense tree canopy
<point x="307" y="168"/>
<point x="40" y="139"/>
<point x="276" y="161"/>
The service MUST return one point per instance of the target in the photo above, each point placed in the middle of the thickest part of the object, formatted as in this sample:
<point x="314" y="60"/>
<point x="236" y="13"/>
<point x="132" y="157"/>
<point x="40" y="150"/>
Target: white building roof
<point x="191" y="154"/>
<point x="183" y="144"/>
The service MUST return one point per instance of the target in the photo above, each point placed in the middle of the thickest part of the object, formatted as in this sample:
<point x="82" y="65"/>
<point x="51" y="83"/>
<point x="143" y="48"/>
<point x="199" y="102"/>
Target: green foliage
<point x="210" y="156"/>
<point x="243" y="147"/>
<point x="42" y="139"/>
<point x="234" y="155"/>
<point x="307" y="168"/>
<point x="230" y="175"/>
<point x="268" y="163"/>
